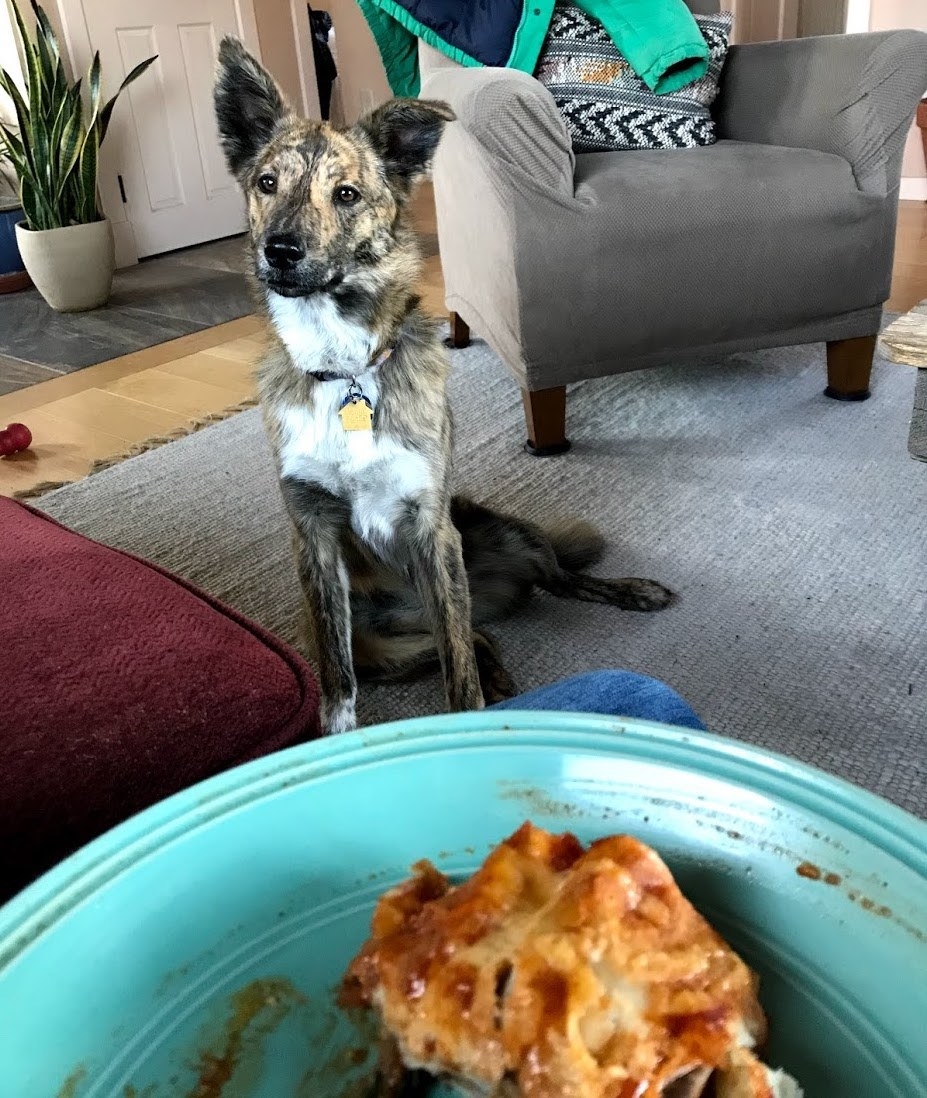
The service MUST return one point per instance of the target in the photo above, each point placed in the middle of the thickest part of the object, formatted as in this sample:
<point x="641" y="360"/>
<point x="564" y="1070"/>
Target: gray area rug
<point x="793" y="527"/>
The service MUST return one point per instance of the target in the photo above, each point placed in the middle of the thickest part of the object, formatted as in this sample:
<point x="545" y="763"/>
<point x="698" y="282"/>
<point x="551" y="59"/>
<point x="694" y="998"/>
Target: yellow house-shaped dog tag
<point x="357" y="415"/>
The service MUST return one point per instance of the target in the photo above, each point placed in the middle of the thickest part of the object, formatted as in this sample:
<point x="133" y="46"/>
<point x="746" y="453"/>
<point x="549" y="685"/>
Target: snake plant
<point x="54" y="146"/>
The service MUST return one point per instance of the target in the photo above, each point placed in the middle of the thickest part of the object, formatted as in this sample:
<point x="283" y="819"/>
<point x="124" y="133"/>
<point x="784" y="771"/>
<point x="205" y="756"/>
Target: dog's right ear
<point x="405" y="133"/>
<point x="248" y="104"/>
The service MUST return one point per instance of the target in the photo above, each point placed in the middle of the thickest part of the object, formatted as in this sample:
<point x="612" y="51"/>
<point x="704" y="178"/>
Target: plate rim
<point x="33" y="912"/>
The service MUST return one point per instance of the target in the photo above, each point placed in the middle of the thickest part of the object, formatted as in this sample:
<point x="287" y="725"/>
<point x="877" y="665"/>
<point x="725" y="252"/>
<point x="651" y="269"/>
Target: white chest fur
<point x="373" y="472"/>
<point x="318" y="337"/>
<point x="370" y="470"/>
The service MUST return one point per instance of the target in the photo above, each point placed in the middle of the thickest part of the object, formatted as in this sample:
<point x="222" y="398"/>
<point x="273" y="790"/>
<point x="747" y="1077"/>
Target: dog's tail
<point x="578" y="545"/>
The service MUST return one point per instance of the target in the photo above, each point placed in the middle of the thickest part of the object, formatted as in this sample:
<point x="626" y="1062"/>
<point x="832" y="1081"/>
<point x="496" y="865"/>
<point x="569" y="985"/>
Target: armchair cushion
<point x="669" y="250"/>
<point x="606" y="105"/>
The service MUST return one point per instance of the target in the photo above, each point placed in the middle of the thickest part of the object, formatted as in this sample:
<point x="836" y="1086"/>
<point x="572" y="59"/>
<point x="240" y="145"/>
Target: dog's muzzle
<point x="283" y="266"/>
<point x="301" y="282"/>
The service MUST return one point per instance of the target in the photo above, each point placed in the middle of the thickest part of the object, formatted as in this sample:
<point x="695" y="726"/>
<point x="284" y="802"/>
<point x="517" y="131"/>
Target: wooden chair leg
<point x="460" y="332"/>
<point x="849" y="364"/>
<point x="545" y="415"/>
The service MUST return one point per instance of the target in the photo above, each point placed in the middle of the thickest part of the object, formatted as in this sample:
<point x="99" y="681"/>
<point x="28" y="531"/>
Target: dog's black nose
<point x="283" y="252"/>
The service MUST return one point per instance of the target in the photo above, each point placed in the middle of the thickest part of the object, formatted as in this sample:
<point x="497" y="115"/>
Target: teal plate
<point x="193" y="951"/>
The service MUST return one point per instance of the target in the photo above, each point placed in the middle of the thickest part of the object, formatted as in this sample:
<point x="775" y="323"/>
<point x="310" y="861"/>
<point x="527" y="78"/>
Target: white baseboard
<point x="914" y="187"/>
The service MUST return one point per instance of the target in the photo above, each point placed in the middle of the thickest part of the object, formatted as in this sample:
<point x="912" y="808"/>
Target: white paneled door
<point x="163" y="178"/>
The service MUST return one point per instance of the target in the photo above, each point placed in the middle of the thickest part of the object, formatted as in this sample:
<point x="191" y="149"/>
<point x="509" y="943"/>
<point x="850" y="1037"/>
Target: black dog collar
<point x="330" y="375"/>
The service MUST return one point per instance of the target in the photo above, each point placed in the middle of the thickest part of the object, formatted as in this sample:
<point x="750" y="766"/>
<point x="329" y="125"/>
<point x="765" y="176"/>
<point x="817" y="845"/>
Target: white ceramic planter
<point x="72" y="268"/>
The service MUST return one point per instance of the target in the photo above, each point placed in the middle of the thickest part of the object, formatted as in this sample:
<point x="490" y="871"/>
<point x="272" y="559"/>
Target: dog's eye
<point x="347" y="195"/>
<point x="267" y="183"/>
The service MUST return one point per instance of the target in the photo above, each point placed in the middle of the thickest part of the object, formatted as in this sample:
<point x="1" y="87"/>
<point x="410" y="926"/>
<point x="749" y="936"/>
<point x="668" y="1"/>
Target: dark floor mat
<point x="152" y="302"/>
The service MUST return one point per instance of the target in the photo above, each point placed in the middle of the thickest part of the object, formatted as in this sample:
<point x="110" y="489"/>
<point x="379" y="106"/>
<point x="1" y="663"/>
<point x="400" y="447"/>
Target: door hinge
<point x="122" y="189"/>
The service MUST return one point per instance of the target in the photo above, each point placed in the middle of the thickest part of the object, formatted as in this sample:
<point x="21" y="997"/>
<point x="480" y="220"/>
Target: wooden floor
<point x="104" y="410"/>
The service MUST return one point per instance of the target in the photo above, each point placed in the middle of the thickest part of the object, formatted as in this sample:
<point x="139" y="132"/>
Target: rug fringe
<point x="41" y="488"/>
<point x="46" y="486"/>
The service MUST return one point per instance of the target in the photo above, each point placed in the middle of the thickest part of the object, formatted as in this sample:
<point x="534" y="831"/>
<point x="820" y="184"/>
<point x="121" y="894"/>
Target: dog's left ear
<point x="405" y="133"/>
<point x="248" y="105"/>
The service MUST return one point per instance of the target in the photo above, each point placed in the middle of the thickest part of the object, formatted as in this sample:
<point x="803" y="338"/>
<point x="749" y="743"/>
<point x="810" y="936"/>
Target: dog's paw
<point x="339" y="717"/>
<point x="495" y="682"/>
<point x="647" y="595"/>
<point x="498" y="686"/>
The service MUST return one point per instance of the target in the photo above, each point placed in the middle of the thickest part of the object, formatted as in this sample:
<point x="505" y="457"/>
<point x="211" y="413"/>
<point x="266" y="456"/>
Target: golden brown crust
<point x="575" y="973"/>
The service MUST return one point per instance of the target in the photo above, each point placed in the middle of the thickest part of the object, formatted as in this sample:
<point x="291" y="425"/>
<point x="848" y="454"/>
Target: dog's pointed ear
<point x="405" y="134"/>
<point x="248" y="104"/>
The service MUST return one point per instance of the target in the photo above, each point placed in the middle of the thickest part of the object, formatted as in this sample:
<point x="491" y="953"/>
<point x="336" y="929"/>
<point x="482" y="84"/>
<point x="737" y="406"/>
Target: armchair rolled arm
<point x="853" y="95"/>
<point x="513" y="118"/>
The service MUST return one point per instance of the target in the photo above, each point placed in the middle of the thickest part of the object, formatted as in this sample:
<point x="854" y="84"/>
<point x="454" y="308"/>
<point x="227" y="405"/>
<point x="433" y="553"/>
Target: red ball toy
<point x="16" y="437"/>
<point x="21" y="435"/>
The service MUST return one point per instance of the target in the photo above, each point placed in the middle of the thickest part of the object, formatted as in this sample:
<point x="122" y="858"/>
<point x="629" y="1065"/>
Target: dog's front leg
<point x="441" y="579"/>
<point x="318" y="518"/>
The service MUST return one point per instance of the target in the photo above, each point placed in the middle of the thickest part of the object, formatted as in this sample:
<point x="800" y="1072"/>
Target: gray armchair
<point x="580" y="266"/>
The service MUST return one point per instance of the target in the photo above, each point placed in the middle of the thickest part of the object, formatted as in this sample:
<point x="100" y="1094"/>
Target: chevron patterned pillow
<point x="607" y="106"/>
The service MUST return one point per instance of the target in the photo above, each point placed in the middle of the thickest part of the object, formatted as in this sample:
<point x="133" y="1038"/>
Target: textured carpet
<point x="793" y="527"/>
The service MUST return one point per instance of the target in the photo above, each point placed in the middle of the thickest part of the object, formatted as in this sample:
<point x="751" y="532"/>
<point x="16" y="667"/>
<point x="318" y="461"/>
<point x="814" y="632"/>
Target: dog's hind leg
<point x="506" y="556"/>
<point x="392" y="642"/>
<point x="642" y="595"/>
<point x="496" y="683"/>
<point x="395" y="657"/>
<point x="628" y="593"/>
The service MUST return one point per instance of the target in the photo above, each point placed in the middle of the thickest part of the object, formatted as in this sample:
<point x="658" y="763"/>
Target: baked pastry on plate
<point x="557" y="971"/>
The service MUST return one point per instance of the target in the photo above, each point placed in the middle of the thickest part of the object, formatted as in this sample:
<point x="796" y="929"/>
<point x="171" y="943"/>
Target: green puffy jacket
<point x="659" y="38"/>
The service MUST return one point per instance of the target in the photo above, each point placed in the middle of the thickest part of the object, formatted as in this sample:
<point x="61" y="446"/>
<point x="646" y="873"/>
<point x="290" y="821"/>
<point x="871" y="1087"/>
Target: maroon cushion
<point x="119" y="685"/>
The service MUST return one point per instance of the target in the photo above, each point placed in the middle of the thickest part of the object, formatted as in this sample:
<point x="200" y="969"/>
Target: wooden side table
<point x="905" y="341"/>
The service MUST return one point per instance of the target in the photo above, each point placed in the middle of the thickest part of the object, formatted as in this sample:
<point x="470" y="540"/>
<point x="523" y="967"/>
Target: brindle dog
<point x="386" y="557"/>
